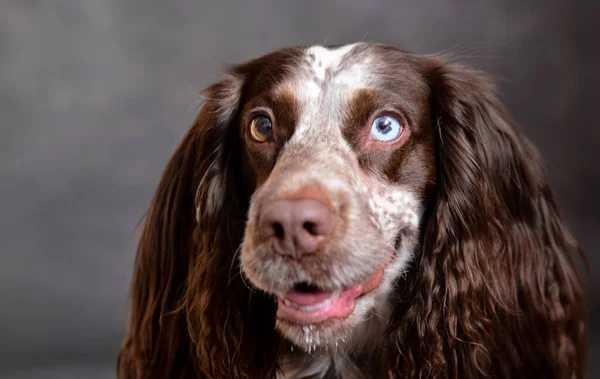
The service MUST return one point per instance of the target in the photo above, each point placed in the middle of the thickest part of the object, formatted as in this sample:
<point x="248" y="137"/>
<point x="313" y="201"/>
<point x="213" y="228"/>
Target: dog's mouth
<point x="306" y="303"/>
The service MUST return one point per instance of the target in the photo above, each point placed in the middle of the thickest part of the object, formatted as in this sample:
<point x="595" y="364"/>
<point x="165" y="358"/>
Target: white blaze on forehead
<point x="314" y="67"/>
<point x="323" y="59"/>
<point x="322" y="82"/>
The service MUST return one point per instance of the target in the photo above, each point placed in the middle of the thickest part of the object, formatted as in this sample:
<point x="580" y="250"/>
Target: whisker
<point x="235" y="254"/>
<point x="244" y="281"/>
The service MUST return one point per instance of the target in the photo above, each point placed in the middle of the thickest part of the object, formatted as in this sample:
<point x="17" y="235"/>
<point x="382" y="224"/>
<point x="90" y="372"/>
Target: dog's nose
<point x="298" y="227"/>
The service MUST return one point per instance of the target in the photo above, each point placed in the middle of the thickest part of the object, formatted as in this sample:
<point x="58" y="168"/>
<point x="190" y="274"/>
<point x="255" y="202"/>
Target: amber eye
<point x="261" y="128"/>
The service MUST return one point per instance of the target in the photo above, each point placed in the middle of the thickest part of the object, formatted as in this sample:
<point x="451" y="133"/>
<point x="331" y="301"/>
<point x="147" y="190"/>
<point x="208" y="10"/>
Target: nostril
<point x="310" y="227"/>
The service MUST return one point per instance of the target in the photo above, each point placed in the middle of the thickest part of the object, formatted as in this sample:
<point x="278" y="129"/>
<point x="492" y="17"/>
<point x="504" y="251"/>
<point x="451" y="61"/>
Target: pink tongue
<point x="340" y="308"/>
<point x="305" y="298"/>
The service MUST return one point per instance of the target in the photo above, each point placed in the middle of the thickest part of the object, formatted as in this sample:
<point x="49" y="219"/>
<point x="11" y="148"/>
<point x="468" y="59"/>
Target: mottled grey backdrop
<point x="95" y="95"/>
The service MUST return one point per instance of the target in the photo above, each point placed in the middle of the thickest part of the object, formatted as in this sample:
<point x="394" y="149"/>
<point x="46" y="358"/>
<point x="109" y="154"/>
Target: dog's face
<point x="334" y="171"/>
<point x="340" y="146"/>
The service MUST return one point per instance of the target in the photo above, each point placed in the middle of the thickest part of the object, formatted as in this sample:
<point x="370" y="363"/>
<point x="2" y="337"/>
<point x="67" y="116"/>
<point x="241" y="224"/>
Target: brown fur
<point x="492" y="292"/>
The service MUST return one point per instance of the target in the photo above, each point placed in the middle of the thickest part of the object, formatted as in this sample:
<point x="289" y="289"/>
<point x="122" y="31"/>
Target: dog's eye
<point x="385" y="129"/>
<point x="261" y="128"/>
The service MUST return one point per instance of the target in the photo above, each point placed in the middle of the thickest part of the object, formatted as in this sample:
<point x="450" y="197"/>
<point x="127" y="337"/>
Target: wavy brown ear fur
<point x="495" y="292"/>
<point x="188" y="301"/>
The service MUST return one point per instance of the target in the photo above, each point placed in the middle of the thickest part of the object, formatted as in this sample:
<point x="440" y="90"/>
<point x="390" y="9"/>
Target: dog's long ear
<point x="188" y="303"/>
<point x="496" y="285"/>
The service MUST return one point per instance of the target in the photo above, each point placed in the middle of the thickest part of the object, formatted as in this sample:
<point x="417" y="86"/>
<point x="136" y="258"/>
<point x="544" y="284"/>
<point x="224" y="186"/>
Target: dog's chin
<point x="313" y="318"/>
<point x="330" y="334"/>
<point x="316" y="316"/>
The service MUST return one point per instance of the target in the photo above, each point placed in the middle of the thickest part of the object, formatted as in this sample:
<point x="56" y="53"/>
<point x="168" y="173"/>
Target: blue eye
<point x="385" y="129"/>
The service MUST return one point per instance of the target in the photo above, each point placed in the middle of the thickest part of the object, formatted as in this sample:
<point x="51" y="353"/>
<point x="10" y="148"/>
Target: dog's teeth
<point x="310" y="308"/>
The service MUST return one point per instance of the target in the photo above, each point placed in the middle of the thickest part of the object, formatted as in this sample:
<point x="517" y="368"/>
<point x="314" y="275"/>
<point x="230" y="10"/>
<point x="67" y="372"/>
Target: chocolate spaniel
<point x="354" y="212"/>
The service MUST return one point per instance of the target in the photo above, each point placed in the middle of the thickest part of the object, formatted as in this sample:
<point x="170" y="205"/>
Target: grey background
<point x="95" y="95"/>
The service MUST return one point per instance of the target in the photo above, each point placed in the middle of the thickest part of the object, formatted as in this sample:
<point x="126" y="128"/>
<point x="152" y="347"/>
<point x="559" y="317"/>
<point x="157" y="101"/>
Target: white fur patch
<point x="390" y="206"/>
<point x="321" y="87"/>
<point x="323" y="59"/>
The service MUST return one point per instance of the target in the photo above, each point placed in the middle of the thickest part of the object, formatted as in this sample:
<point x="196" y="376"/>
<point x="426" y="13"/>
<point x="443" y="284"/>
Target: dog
<point x="354" y="211"/>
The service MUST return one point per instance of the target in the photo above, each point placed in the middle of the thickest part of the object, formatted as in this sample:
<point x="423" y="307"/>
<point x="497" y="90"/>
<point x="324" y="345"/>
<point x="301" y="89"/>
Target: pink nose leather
<point x="297" y="227"/>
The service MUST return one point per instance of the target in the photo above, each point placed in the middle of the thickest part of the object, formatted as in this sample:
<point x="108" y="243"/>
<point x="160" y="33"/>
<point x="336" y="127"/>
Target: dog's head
<point x="355" y="186"/>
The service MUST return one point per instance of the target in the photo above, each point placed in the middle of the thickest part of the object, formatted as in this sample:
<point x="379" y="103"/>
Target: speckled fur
<point x="376" y="210"/>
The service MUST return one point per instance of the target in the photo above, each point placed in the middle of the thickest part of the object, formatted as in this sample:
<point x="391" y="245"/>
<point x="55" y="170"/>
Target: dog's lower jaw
<point x="370" y="314"/>
<point x="359" y="335"/>
<point x="314" y="350"/>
